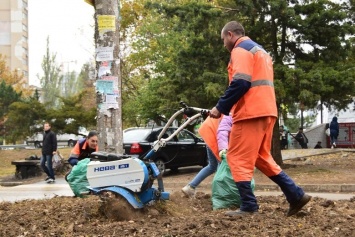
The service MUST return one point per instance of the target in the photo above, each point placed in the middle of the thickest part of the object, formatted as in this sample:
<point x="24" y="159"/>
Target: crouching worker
<point x="83" y="148"/>
<point x="79" y="159"/>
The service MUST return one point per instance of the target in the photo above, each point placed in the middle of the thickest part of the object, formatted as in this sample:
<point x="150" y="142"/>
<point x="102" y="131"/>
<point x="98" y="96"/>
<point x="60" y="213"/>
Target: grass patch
<point x="7" y="156"/>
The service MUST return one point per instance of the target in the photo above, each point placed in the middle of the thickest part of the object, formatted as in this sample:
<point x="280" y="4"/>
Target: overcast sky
<point x="70" y="27"/>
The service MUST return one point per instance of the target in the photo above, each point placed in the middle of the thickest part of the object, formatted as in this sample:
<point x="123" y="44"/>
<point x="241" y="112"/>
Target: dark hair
<point x="235" y="27"/>
<point x="91" y="134"/>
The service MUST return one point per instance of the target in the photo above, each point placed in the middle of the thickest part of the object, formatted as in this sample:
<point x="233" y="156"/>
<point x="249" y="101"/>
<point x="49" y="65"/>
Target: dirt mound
<point x="66" y="216"/>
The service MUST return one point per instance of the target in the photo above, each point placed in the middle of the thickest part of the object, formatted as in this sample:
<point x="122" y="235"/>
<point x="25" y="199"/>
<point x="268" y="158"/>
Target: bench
<point x="27" y="168"/>
<point x="31" y="168"/>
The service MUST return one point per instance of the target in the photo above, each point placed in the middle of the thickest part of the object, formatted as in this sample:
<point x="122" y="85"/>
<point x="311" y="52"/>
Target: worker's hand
<point x="214" y="113"/>
<point x="54" y="152"/>
<point x="222" y="152"/>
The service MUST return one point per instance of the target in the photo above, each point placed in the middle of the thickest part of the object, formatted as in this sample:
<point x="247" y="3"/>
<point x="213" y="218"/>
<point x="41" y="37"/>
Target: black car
<point x="185" y="149"/>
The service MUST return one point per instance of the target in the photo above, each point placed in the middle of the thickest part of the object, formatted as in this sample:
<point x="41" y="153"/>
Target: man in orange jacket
<point x="250" y="99"/>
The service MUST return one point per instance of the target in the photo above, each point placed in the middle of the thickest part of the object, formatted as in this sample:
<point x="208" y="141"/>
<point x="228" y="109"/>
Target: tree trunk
<point x="108" y="80"/>
<point x="275" y="148"/>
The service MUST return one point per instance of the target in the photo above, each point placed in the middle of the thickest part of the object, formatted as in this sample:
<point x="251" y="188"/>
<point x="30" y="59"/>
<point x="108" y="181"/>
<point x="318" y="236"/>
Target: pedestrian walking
<point x="49" y="148"/>
<point x="283" y="138"/>
<point x="334" y="132"/>
<point x="302" y="138"/>
<point x="250" y="97"/>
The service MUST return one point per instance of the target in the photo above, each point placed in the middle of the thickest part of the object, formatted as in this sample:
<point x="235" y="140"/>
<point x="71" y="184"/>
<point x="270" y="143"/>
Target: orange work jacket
<point x="249" y="61"/>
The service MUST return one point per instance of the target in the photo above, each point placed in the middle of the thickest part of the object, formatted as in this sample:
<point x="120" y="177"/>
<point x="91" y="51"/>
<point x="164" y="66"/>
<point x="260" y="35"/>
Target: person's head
<point x="46" y="126"/>
<point x="92" y="139"/>
<point x="282" y="127"/>
<point x="335" y="119"/>
<point x="230" y="33"/>
<point x="300" y="129"/>
<point x="319" y="142"/>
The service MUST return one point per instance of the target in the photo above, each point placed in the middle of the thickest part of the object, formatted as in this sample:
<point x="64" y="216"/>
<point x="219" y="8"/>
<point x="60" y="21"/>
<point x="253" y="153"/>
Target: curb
<point x="10" y="184"/>
<point x="304" y="157"/>
<point x="327" y="188"/>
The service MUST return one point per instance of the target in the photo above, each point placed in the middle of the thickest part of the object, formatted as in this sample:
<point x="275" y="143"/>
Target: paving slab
<point x="43" y="190"/>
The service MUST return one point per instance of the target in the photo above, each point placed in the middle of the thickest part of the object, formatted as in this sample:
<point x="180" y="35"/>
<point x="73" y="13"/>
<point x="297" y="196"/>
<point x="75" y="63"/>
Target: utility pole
<point x="108" y="75"/>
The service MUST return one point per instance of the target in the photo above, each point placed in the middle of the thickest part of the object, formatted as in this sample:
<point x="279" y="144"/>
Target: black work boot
<point x="294" y="194"/>
<point x="249" y="204"/>
<point x="296" y="207"/>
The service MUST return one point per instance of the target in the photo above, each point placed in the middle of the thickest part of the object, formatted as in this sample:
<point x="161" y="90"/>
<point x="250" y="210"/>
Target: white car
<point x="62" y="140"/>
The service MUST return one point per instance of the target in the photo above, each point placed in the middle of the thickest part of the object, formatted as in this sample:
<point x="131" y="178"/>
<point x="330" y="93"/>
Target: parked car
<point x="185" y="149"/>
<point x="62" y="139"/>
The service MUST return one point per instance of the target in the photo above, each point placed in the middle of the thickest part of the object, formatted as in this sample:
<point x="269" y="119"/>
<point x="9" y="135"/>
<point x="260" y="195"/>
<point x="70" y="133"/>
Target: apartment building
<point x="14" y="35"/>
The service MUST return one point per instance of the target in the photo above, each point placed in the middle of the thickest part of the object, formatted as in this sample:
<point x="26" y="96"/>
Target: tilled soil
<point x="181" y="216"/>
<point x="66" y="216"/>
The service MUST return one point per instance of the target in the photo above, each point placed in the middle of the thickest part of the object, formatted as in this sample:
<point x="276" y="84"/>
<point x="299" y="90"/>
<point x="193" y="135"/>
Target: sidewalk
<point x="304" y="153"/>
<point x="42" y="190"/>
<point x="173" y="183"/>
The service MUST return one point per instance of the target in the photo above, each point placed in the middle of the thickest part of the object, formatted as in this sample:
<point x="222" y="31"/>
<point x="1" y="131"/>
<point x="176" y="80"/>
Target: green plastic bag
<point x="77" y="178"/>
<point x="225" y="193"/>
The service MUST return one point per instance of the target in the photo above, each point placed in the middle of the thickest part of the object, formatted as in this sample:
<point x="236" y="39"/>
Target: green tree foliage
<point x="70" y="84"/>
<point x="71" y="116"/>
<point x="309" y="41"/>
<point x="51" y="80"/>
<point x="7" y="96"/>
<point x="26" y="117"/>
<point x="70" y="105"/>
<point x="178" y="55"/>
<point x="22" y="117"/>
<point x="86" y="85"/>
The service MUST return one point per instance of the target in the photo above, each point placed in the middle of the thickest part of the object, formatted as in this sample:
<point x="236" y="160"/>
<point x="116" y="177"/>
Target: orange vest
<point x="250" y="62"/>
<point x="208" y="132"/>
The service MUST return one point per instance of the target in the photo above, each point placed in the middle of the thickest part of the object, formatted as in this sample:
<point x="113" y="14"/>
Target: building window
<point x="24" y="39"/>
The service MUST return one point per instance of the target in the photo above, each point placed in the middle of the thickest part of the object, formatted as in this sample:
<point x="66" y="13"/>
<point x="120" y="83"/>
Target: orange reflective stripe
<point x="262" y="83"/>
<point x="242" y="76"/>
